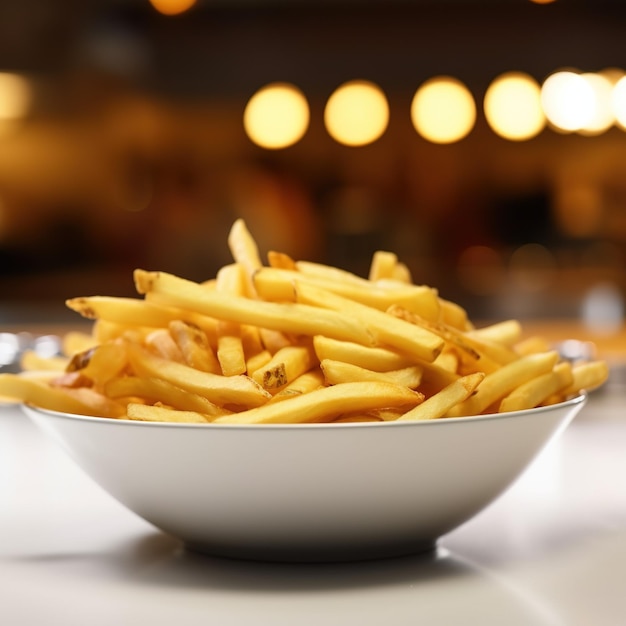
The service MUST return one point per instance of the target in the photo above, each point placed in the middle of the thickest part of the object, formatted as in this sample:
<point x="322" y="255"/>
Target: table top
<point x="550" y="551"/>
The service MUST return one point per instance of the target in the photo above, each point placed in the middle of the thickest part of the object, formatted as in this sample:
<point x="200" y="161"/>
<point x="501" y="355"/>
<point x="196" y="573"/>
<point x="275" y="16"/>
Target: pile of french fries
<point x="290" y="341"/>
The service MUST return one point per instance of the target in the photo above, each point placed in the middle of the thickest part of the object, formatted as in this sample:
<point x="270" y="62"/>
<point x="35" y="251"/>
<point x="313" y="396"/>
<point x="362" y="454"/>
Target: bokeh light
<point x="568" y="101"/>
<point x="276" y="116"/>
<point x="603" y="309"/>
<point x="618" y="102"/>
<point x="443" y="110"/>
<point x="172" y="7"/>
<point x="603" y="117"/>
<point x="512" y="106"/>
<point x="15" y="96"/>
<point x="357" y="113"/>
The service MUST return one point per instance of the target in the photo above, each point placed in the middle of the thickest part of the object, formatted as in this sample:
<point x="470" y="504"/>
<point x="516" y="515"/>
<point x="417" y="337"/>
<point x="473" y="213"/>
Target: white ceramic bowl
<point x="308" y="492"/>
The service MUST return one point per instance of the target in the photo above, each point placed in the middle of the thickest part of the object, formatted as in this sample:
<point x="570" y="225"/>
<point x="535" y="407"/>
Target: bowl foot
<point x="313" y="554"/>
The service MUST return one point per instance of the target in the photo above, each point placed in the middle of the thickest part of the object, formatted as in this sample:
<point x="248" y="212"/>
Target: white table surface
<point x="551" y="550"/>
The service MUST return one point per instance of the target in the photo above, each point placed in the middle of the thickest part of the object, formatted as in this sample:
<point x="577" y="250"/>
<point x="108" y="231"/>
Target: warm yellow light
<point x="513" y="106"/>
<point x="277" y="116"/>
<point x="603" y="117"/>
<point x="618" y="102"/>
<point x="568" y="100"/>
<point x="543" y="1"/>
<point x="443" y="110"/>
<point x="172" y="7"/>
<point x="357" y="113"/>
<point x="15" y="96"/>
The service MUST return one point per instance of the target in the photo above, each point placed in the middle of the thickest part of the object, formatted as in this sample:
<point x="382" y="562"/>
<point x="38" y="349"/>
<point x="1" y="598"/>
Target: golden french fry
<point x="145" y="413"/>
<point x="336" y="372"/>
<point x="311" y="380"/>
<point x="278" y="285"/>
<point x="127" y="311"/>
<point x="532" y="345"/>
<point x="285" y="366"/>
<point x="506" y="333"/>
<point x="154" y="390"/>
<point x="77" y="341"/>
<point x="101" y="363"/>
<point x="258" y="360"/>
<point x="296" y="318"/>
<point x="29" y="390"/>
<point x="194" y="346"/>
<point x="500" y="383"/>
<point x="328" y="272"/>
<point x="440" y="403"/>
<point x="448" y="360"/>
<point x="402" y="335"/>
<point x="230" y="352"/>
<point x="534" y="392"/>
<point x="382" y="265"/>
<point x="221" y="390"/>
<point x="327" y="403"/>
<point x="280" y="260"/>
<point x="587" y="376"/>
<point x="369" y="357"/>
<point x="454" y="315"/>
<point x="32" y="361"/>
<point x="162" y="343"/>
<point x="245" y="251"/>
<point x="473" y="354"/>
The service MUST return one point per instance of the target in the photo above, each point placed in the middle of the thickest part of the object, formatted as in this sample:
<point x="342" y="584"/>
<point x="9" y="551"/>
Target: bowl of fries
<point x="290" y="410"/>
<point x="308" y="492"/>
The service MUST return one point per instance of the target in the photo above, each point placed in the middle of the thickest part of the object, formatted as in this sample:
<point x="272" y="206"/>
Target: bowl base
<point x="313" y="554"/>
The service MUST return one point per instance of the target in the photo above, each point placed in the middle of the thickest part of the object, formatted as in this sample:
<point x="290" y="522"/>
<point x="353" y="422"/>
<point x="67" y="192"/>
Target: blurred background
<point x="482" y="141"/>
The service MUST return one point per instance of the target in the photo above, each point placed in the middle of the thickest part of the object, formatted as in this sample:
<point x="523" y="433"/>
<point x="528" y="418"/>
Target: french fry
<point x="336" y="372"/>
<point x="440" y="403"/>
<point x="154" y="390"/>
<point x="75" y="341"/>
<point x="278" y="285"/>
<point x="370" y="357"/>
<point x="162" y="343"/>
<point x="413" y="340"/>
<point x="280" y="260"/>
<point x="500" y="383"/>
<point x="328" y="272"/>
<point x="285" y="366"/>
<point x="245" y="251"/>
<point x="257" y="361"/>
<point x="473" y="354"/>
<point x="32" y="361"/>
<point x="326" y="404"/>
<point x="454" y="315"/>
<point x="101" y="363"/>
<point x="311" y="380"/>
<point x="532" y="345"/>
<point x="587" y="376"/>
<point x="221" y="390"/>
<point x="194" y="346"/>
<point x="506" y="333"/>
<point x="143" y="413"/>
<point x="382" y="265"/>
<point x="296" y="318"/>
<point x="230" y="352"/>
<point x="29" y="390"/>
<point x="127" y="311"/>
<point x="536" y="391"/>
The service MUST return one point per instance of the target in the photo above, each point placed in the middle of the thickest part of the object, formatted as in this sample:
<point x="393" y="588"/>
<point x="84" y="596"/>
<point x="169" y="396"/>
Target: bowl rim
<point x="578" y="400"/>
